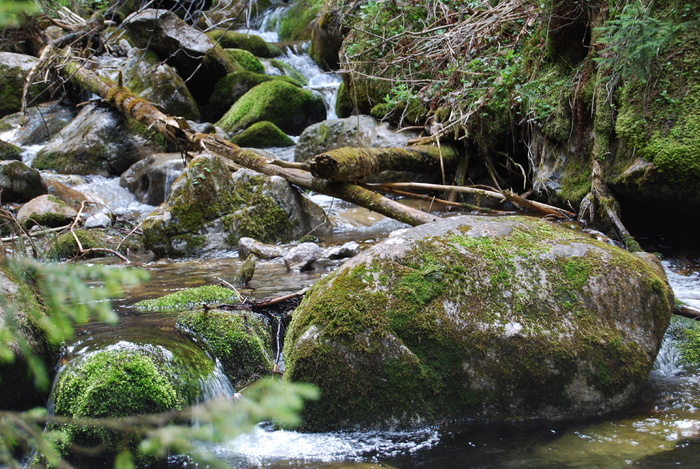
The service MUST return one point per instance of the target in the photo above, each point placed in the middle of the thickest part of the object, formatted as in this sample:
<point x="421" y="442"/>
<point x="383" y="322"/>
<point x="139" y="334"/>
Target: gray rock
<point x="14" y="69"/>
<point x="46" y="210"/>
<point x="479" y="317"/>
<point x="247" y="246"/>
<point x="40" y="123"/>
<point x="98" y="220"/>
<point x="151" y="178"/>
<point x="301" y="257"/>
<point x="19" y="182"/>
<point x="355" y="131"/>
<point x="9" y="151"/>
<point x="98" y="142"/>
<point x="349" y="249"/>
<point x="182" y="46"/>
<point x="209" y="209"/>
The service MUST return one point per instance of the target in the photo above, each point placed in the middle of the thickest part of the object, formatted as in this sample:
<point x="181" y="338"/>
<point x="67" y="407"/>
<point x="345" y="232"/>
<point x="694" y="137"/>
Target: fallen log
<point x="687" y="311"/>
<point x="350" y="164"/>
<point x="176" y="130"/>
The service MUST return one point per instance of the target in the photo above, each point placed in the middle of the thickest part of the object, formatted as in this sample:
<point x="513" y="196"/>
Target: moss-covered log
<point x="176" y="130"/>
<point x="352" y="164"/>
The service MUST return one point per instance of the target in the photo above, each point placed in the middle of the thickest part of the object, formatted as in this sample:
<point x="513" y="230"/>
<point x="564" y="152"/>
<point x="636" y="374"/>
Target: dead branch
<point x="687" y="311"/>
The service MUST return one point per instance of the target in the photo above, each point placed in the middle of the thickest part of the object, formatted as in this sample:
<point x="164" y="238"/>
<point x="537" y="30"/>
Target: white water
<point x="117" y="199"/>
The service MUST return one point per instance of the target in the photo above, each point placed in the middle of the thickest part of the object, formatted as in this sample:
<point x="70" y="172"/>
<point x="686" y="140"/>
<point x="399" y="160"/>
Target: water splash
<point x="117" y="198"/>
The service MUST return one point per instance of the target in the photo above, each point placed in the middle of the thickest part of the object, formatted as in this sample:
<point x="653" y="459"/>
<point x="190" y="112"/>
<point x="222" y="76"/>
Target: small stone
<point x="349" y="249"/>
<point x="247" y="246"/>
<point x="301" y="257"/>
<point x="99" y="220"/>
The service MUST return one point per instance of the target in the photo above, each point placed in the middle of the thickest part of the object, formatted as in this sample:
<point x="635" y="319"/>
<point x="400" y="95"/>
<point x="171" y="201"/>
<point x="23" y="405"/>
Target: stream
<point x="660" y="430"/>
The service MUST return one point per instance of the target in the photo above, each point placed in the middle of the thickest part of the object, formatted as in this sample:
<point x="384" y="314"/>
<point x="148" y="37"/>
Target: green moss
<point x="187" y="298"/>
<point x="9" y="151"/>
<point x="114" y="383"/>
<point x="240" y="341"/>
<point x="295" y="26"/>
<point x="287" y="106"/>
<point x="686" y="335"/>
<point x="65" y="247"/>
<point x="262" y="135"/>
<point x="249" y="42"/>
<point x="246" y="60"/>
<point x="289" y="71"/>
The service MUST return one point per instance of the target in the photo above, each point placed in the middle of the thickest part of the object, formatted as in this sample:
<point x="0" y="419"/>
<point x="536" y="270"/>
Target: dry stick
<point x="432" y="199"/>
<point x="144" y="112"/>
<point x="81" y="250"/>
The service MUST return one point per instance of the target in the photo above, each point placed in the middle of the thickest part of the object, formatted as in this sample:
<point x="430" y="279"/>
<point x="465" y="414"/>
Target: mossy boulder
<point x="289" y="107"/>
<point x="188" y="298"/>
<point x="98" y="141"/>
<point x="125" y="379"/>
<point x="18" y="390"/>
<point x="46" y="210"/>
<point x="241" y="341"/>
<point x="208" y="209"/>
<point x="326" y="39"/>
<point x="479" y="317"/>
<point x="19" y="182"/>
<point x="262" y="135"/>
<point x="193" y="54"/>
<point x="249" y="42"/>
<point x="296" y="24"/>
<point x="246" y="60"/>
<point x="231" y="88"/>
<point x="9" y="151"/>
<point x="14" y="69"/>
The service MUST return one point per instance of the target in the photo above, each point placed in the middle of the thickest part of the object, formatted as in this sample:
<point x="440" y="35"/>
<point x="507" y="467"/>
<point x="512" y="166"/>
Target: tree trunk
<point x="353" y="164"/>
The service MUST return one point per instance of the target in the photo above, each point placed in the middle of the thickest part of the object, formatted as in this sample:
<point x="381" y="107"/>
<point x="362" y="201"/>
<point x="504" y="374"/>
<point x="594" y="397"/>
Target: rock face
<point x="208" y="209"/>
<point x="479" y="317"/>
<point x="19" y="182"/>
<point x="289" y="107"/>
<point x="355" y="131"/>
<point x="98" y="141"/>
<point x="187" y="49"/>
<point x="46" y="210"/>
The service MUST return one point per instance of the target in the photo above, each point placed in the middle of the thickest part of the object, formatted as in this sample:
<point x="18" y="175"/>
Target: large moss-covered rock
<point x="121" y="380"/>
<point x="9" y="151"/>
<point x="46" y="210"/>
<point x="208" y="209"/>
<point x="248" y="42"/>
<point x="182" y="46"/>
<point x="479" y="317"/>
<point x="262" y="135"/>
<point x="39" y="123"/>
<point x="297" y="22"/>
<point x="99" y="141"/>
<point x="246" y="60"/>
<point x="231" y="88"/>
<point x="14" y="69"/>
<point x="326" y="39"/>
<point x="241" y="342"/>
<point x="18" y="390"/>
<point x="19" y="182"/>
<point x="289" y="107"/>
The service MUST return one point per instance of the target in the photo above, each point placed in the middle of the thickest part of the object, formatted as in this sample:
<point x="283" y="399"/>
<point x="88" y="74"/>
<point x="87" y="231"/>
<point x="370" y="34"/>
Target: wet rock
<point x="14" y="69"/>
<point x="289" y="107"/>
<point x="251" y="43"/>
<point x="40" y="122"/>
<point x="46" y="210"/>
<point x="126" y="379"/>
<point x="19" y="182"/>
<point x="240" y="342"/>
<point x="99" y="141"/>
<point x="195" y="56"/>
<point x="151" y="178"/>
<point x="355" y="131"/>
<point x="327" y="36"/>
<point x="209" y="209"/>
<point x="301" y="257"/>
<point x="349" y="249"/>
<point x="247" y="246"/>
<point x="10" y="152"/>
<point x="479" y="317"/>
<point x="90" y="203"/>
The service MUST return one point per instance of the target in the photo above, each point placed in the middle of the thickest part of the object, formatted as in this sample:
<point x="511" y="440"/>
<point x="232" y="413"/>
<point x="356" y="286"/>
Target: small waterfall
<point x="117" y="198"/>
<point x="216" y="385"/>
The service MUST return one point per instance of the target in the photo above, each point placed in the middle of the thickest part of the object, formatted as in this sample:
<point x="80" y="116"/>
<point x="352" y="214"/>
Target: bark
<point x="687" y="311"/>
<point x="353" y="164"/>
<point x="176" y="130"/>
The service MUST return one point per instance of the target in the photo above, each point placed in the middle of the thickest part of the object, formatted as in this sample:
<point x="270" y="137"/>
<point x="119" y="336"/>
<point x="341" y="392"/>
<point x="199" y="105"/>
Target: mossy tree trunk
<point x="352" y="164"/>
<point x="176" y="130"/>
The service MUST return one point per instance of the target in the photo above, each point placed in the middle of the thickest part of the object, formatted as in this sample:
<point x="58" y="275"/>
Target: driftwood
<point x="175" y="130"/>
<point x="353" y="164"/>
